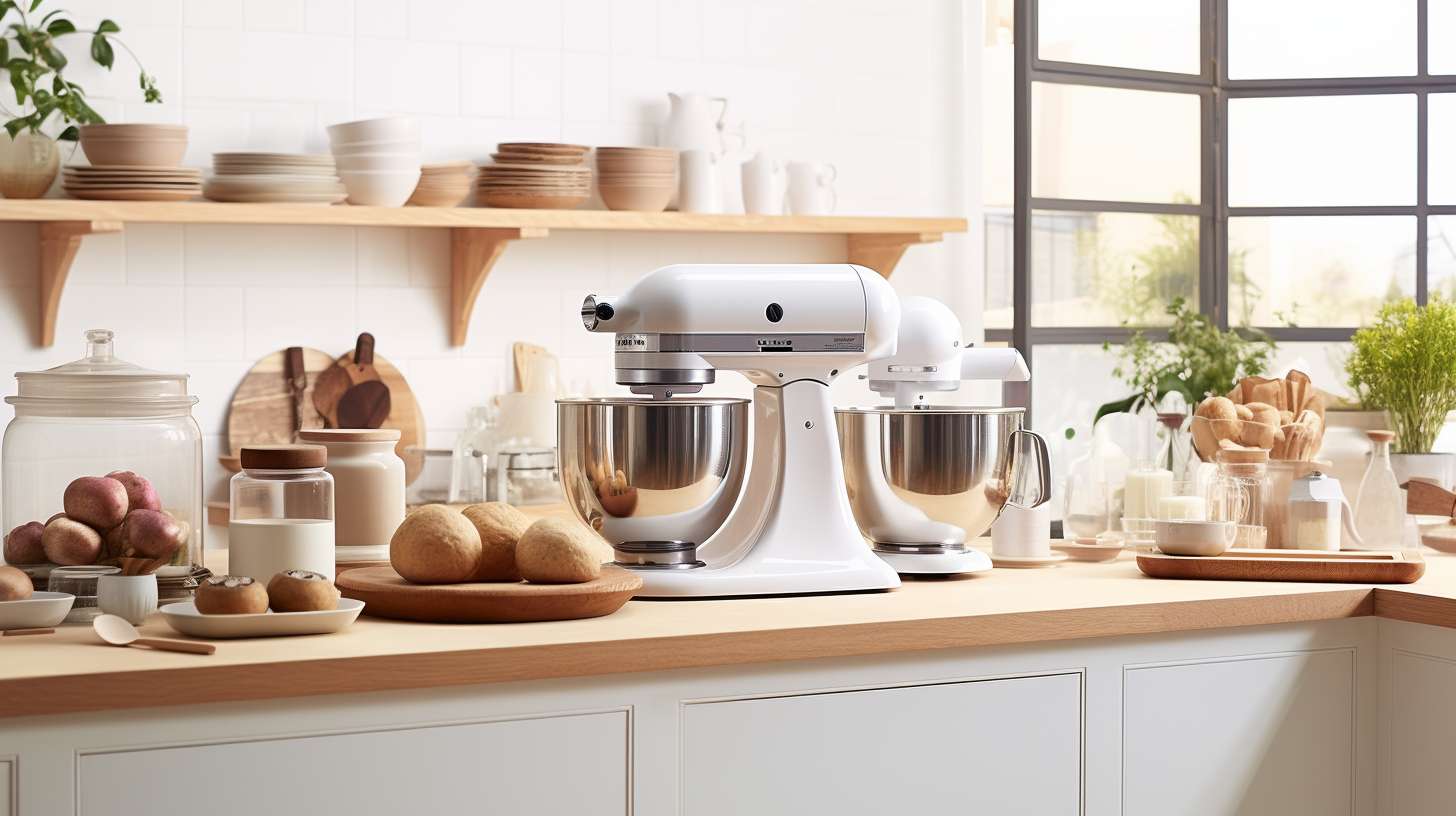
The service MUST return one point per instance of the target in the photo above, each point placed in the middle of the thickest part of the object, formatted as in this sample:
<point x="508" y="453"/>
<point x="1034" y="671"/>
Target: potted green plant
<point x="1405" y="365"/>
<point x="32" y="61"/>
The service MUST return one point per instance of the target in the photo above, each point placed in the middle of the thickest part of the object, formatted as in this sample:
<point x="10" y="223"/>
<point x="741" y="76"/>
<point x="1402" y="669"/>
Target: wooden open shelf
<point x="478" y="235"/>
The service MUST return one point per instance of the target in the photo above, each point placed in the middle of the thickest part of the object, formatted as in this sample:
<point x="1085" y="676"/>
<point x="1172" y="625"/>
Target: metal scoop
<point x="118" y="632"/>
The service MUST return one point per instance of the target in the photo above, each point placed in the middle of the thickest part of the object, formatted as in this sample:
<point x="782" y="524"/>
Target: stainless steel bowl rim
<point x="931" y="409"/>
<point x="650" y="402"/>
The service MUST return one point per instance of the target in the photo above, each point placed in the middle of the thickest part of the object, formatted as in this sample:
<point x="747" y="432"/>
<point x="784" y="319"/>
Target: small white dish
<point x="40" y="611"/>
<point x="1027" y="561"/>
<point x="185" y="618"/>
<point x="1092" y="551"/>
<point x="1198" y="538"/>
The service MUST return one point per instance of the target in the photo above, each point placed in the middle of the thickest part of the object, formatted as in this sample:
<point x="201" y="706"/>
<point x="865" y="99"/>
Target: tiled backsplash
<point x="877" y="88"/>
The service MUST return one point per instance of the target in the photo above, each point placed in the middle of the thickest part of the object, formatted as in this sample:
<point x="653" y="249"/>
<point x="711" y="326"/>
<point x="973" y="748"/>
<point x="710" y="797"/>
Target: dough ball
<point x="302" y="591"/>
<point x="1244" y="412"/>
<point x="231" y="595"/>
<point x="14" y="585"/>
<point x="140" y="495"/>
<point x="96" y="501"/>
<point x="70" y="543"/>
<point x="435" y="545"/>
<point x="1218" y="408"/>
<point x="559" y="551"/>
<point x="23" y="544"/>
<point x="500" y="526"/>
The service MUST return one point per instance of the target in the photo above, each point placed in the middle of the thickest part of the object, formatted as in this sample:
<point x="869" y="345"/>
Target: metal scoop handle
<point x="1038" y="446"/>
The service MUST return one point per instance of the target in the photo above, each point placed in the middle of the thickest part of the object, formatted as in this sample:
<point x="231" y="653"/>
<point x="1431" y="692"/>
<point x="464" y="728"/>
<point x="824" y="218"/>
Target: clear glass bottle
<point x="1380" y="507"/>
<point x="282" y="512"/>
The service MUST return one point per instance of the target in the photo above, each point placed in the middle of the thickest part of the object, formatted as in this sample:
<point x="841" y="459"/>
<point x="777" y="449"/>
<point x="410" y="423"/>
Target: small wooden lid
<point x="1243" y="456"/>
<point x="327" y="435"/>
<point x="1380" y="436"/>
<point x="284" y="457"/>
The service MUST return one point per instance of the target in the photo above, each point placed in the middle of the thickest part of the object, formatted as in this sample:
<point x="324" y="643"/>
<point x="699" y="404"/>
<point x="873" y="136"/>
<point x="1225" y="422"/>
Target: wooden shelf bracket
<point x="59" y="241"/>
<point x="473" y="252"/>
<point x="882" y="252"/>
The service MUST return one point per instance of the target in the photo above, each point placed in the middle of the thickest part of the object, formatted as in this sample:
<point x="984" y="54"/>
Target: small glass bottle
<point x="282" y="512"/>
<point x="1380" y="506"/>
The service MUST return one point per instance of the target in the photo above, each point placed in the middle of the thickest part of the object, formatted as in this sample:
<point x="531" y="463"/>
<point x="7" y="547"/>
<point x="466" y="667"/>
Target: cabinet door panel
<point x="573" y="765"/>
<point x="1422" y="721"/>
<point x="996" y="746"/>
<point x="1251" y="736"/>
<point x="7" y="787"/>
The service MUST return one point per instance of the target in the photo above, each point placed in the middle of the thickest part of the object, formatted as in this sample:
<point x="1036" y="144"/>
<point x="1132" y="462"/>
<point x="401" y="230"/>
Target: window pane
<point x="1155" y="35"/>
<point x="1441" y="256"/>
<point x="1323" y="362"/>
<point x="1322" y="38"/>
<point x="1441" y="139"/>
<point x="1114" y="144"/>
<point x="1318" y="271"/>
<point x="1000" y="257"/>
<point x="1441" y="37"/>
<point x="1103" y="269"/>
<point x="1322" y="151"/>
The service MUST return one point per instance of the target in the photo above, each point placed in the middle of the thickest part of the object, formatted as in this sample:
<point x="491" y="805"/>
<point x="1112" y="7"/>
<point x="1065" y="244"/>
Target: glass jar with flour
<point x="282" y="512"/>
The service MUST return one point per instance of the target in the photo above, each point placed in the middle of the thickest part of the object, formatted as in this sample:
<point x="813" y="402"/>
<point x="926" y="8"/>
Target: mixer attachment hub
<point x="658" y="555"/>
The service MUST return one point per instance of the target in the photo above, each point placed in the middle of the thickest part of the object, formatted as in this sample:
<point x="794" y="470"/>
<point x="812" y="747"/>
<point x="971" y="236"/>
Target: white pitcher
<point x="692" y="123"/>
<point x="811" y="188"/>
<point x="698" y="187"/>
<point x="764" y="185"/>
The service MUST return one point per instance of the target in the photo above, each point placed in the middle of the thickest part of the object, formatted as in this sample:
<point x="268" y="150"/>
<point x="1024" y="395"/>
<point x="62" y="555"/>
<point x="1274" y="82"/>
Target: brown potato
<point x="500" y="526"/>
<point x="23" y="544"/>
<point x="70" y="543"/>
<point x="96" y="501"/>
<point x="435" y="545"/>
<point x="14" y="585"/>
<point x="559" y="551"/>
<point x="150" y="534"/>
<point x="140" y="495"/>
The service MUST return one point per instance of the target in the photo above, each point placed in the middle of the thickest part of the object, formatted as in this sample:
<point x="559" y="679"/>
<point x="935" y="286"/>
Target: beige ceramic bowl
<point x="134" y="145"/>
<point x="638" y="198"/>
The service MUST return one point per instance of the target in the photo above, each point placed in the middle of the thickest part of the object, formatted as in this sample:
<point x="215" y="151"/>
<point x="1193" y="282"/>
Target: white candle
<point x="1186" y="508"/>
<point x="1142" y="491"/>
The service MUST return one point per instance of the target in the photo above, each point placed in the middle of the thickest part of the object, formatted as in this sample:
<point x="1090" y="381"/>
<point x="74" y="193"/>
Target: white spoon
<point x="116" y="631"/>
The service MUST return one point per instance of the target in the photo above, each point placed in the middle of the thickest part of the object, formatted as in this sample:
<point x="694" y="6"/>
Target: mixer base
<point x="945" y="562"/>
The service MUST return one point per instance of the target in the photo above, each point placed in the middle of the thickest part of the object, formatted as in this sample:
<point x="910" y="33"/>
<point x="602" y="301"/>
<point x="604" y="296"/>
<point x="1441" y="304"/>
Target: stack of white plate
<point x="287" y="178"/>
<point x="125" y="183"/>
<point x="378" y="159"/>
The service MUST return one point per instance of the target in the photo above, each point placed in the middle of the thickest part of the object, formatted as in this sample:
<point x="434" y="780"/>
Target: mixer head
<point x="930" y="356"/>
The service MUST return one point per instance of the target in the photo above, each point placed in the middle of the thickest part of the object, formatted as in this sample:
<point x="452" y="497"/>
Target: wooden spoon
<point x="1427" y="499"/>
<point x="118" y="632"/>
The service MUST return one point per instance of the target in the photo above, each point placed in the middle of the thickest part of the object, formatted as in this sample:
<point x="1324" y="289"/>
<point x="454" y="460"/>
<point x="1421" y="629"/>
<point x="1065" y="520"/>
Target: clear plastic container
<point x="94" y="416"/>
<point x="281" y="512"/>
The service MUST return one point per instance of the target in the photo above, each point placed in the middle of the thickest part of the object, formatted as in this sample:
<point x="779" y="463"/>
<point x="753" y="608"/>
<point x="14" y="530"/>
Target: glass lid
<point x="100" y="375"/>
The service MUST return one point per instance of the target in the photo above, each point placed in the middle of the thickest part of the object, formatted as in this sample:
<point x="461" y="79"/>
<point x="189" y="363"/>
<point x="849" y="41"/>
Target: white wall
<point x="879" y="88"/>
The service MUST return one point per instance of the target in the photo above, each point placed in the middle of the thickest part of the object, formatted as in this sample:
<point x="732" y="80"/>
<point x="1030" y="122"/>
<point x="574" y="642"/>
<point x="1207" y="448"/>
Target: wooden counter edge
<point x="357" y="675"/>
<point x="1411" y="605"/>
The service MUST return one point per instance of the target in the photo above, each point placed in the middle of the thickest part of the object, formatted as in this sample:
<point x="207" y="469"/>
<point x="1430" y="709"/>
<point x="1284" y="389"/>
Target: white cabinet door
<point x="1248" y="736"/>
<point x="7" y="788"/>
<point x="1422" y="722"/>
<point x="570" y="765"/>
<point x="995" y="746"/>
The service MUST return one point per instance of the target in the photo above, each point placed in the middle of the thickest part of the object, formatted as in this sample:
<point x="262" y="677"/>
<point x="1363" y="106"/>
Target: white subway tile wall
<point x="880" y="89"/>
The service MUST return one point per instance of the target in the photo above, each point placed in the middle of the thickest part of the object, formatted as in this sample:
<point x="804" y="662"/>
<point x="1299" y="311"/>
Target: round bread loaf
<point x="558" y="551"/>
<point x="302" y="591"/>
<point x="500" y="527"/>
<point x="435" y="545"/>
<point x="231" y="595"/>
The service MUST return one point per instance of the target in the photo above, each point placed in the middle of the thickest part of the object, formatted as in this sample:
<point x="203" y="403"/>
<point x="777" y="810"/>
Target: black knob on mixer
<point x="774" y="313"/>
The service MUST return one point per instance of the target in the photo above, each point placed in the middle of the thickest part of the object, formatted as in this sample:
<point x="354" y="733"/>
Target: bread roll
<point x="435" y="545"/>
<point x="500" y="526"/>
<point x="559" y="551"/>
<point x="1217" y="408"/>
<point x="231" y="595"/>
<point x="302" y="591"/>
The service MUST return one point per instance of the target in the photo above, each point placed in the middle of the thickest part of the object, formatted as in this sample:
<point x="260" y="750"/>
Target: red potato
<point x="96" y="501"/>
<point x="70" y="543"/>
<point x="140" y="495"/>
<point x="23" y="544"/>
<point x="150" y="534"/>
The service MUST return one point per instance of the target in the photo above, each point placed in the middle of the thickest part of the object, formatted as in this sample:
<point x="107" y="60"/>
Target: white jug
<point x="699" y="190"/>
<point x="764" y="184"/>
<point x="811" y="188"/>
<point x="692" y="124"/>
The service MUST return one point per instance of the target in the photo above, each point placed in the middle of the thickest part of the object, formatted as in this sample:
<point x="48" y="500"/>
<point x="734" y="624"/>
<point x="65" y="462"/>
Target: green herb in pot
<point x="1405" y="364"/>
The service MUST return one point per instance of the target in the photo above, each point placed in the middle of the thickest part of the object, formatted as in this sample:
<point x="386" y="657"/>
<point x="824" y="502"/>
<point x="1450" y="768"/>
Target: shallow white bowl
<point x="396" y="162"/>
<point x="1203" y="538"/>
<point x="388" y="127"/>
<point x="185" y="618"/>
<point x="380" y="189"/>
<point x="41" y="610"/>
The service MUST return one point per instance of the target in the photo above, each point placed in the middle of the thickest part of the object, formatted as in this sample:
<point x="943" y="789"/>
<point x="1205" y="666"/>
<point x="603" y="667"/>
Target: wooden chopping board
<point x="1317" y="566"/>
<point x="261" y="412"/>
<point x="386" y="595"/>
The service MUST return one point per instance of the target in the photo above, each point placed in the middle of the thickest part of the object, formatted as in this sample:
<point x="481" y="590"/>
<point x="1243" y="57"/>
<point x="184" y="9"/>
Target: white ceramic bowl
<point x="1205" y="538"/>
<point x="39" y="611"/>
<point x="388" y="127"/>
<point x="383" y="146"/>
<point x="380" y="189"/>
<point x="396" y="162"/>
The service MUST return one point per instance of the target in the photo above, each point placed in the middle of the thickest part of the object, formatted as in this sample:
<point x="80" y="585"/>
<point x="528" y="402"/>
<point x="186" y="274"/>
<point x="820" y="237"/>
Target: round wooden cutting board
<point x="386" y="595"/>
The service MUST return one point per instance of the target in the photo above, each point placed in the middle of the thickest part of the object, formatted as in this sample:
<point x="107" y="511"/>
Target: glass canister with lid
<point x="100" y="417"/>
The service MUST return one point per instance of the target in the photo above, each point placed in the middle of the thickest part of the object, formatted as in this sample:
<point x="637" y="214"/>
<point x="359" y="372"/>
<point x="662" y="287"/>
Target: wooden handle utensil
<point x="1427" y="499"/>
<point x="170" y="645"/>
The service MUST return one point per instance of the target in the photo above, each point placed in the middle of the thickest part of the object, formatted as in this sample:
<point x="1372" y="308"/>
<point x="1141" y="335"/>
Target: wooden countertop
<point x="72" y="671"/>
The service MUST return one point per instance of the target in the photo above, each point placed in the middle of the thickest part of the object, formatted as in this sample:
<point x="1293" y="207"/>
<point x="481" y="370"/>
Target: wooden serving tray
<point x="1318" y="566"/>
<point x="386" y="595"/>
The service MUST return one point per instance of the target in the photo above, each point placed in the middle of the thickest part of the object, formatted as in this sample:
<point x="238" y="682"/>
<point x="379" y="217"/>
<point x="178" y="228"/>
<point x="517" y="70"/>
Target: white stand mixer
<point x="790" y="329"/>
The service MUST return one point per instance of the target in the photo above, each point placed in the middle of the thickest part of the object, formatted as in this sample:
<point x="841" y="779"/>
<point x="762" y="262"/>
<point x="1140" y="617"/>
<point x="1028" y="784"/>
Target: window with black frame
<point x="1283" y="166"/>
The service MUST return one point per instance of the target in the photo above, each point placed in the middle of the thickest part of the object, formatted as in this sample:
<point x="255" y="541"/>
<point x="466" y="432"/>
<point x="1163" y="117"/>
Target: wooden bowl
<point x="135" y="146"/>
<point x="637" y="198"/>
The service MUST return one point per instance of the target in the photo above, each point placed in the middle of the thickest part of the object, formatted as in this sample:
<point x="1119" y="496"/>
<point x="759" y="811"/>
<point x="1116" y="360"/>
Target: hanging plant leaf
<point x="4" y="46"/>
<point x="59" y="27"/>
<point x="108" y="27"/>
<point x="1122" y="406"/>
<point x="52" y="56"/>
<point x="70" y="134"/>
<point x="101" y="52"/>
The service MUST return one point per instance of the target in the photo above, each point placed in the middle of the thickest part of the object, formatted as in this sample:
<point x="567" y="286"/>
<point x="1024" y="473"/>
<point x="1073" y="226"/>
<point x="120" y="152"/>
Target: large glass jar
<point x="96" y="416"/>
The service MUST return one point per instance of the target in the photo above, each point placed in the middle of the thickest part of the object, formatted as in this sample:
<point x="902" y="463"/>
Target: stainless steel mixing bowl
<point x="926" y="479"/>
<point x="655" y="477"/>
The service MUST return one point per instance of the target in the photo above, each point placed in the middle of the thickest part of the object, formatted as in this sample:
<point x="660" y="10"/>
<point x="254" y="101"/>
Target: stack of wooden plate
<point x="125" y="183"/>
<point x="535" y="175"/>
<point x="290" y="178"/>
<point x="443" y="185"/>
